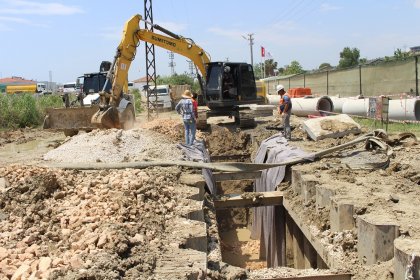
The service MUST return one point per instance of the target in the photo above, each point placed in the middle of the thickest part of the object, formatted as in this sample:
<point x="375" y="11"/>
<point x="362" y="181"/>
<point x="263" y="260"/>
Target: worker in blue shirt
<point x="285" y="110"/>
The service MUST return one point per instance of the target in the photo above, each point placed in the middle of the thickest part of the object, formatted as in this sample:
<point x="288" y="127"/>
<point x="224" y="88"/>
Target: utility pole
<point x="150" y="63"/>
<point x="172" y="63"/>
<point x="250" y="38"/>
<point x="50" y="81"/>
<point x="191" y="68"/>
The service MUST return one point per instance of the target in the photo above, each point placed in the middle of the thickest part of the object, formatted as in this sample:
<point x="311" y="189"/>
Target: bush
<point x="137" y="100"/>
<point x="25" y="110"/>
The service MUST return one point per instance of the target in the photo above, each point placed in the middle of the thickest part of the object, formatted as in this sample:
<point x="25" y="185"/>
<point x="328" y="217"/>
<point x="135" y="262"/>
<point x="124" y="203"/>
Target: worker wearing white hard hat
<point x="285" y="110"/>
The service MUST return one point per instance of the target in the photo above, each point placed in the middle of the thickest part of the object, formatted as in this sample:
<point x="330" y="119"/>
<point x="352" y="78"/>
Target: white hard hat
<point x="227" y="69"/>
<point x="279" y="87"/>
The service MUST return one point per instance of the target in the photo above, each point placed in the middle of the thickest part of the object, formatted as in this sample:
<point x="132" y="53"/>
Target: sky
<point x="65" y="39"/>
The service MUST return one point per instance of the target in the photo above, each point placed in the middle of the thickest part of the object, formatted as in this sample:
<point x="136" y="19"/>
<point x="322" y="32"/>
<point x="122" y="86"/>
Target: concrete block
<point x="341" y="214"/>
<point x="196" y="193"/>
<point x="330" y="127"/>
<point x="308" y="186"/>
<point x="323" y="195"/>
<point x="376" y="235"/>
<point x="406" y="258"/>
<point x="296" y="180"/>
<point x="194" y="180"/>
<point x="197" y="215"/>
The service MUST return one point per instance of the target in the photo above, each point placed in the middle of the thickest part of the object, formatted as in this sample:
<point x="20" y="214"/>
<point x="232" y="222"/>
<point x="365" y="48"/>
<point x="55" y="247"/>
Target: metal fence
<point x="385" y="78"/>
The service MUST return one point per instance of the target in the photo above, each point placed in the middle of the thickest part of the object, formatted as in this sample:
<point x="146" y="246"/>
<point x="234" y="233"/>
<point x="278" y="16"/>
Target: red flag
<point x="262" y="51"/>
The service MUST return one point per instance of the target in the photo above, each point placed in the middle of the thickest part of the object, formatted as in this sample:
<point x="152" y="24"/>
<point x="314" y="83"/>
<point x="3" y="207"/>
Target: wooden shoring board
<point x="249" y="199"/>
<point x="233" y="176"/>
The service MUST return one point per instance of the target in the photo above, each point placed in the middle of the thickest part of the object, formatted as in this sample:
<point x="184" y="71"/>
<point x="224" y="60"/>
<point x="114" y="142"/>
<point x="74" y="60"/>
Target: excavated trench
<point x="235" y="224"/>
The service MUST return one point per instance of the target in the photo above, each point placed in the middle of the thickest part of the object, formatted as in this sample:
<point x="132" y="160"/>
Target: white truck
<point x="163" y="97"/>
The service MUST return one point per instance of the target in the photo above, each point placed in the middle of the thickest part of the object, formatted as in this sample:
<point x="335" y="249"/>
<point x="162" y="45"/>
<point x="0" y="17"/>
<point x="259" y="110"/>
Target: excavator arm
<point x="108" y="115"/>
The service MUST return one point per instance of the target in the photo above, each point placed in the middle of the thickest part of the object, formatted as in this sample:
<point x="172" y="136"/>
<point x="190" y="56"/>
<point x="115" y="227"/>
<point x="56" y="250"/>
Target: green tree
<point x="363" y="60"/>
<point x="349" y="57"/>
<point x="399" y="54"/>
<point x="258" y="71"/>
<point x="324" y="66"/>
<point x="183" y="79"/>
<point x="293" y="68"/>
<point x="270" y="66"/>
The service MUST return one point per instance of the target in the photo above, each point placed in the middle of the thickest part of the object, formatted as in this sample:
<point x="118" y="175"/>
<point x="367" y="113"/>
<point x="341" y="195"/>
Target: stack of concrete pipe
<point x="399" y="109"/>
<point x="306" y="106"/>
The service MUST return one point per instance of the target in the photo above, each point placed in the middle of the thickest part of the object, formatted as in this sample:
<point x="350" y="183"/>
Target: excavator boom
<point x="108" y="116"/>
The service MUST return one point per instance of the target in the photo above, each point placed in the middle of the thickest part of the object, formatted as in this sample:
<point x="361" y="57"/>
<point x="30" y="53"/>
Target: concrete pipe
<point x="302" y="107"/>
<point x="399" y="109"/>
<point x="356" y="107"/>
<point x="404" y="109"/>
<point x="339" y="101"/>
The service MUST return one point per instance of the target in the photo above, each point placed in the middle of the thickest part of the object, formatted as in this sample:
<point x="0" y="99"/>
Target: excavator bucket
<point x="107" y="118"/>
<point x="77" y="118"/>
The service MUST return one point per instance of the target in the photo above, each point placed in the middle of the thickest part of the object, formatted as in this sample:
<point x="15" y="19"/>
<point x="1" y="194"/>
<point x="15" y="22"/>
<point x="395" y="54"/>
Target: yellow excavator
<point x="226" y="89"/>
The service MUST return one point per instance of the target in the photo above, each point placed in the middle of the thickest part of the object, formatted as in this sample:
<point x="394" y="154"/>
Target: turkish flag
<point x="262" y="51"/>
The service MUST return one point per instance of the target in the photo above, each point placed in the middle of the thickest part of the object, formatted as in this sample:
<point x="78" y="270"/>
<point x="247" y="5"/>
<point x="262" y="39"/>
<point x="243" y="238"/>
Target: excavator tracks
<point x="246" y="119"/>
<point x="202" y="119"/>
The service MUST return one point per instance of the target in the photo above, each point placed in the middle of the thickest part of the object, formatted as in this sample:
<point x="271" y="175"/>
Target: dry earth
<point x="117" y="224"/>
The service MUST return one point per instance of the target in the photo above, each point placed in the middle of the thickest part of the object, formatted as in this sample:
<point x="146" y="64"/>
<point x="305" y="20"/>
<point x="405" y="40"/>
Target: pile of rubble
<point x="76" y="225"/>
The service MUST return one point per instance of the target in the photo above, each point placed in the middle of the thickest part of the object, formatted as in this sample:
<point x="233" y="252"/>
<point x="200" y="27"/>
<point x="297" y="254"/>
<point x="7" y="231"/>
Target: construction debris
<point x="330" y="127"/>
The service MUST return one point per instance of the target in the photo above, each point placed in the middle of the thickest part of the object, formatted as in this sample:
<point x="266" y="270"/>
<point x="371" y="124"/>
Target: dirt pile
<point x="87" y="225"/>
<point x="173" y="129"/>
<point x="115" y="145"/>
<point x="221" y="141"/>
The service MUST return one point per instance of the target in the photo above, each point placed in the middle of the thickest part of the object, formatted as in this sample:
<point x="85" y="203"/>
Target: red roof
<point x="16" y="80"/>
<point x="141" y="80"/>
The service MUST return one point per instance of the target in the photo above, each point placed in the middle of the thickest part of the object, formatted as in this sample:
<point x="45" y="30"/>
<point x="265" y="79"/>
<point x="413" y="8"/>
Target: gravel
<point x="115" y="145"/>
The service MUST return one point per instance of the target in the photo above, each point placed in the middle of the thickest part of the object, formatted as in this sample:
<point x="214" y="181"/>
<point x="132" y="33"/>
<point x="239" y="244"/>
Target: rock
<point x="25" y="256"/>
<point x="22" y="272"/>
<point x="44" y="263"/>
<point x="57" y="261"/>
<point x="3" y="253"/>
<point x="3" y="185"/>
<point x="76" y="262"/>
<point x="59" y="195"/>
<point x="8" y="270"/>
<point x="102" y="240"/>
<point x="138" y="238"/>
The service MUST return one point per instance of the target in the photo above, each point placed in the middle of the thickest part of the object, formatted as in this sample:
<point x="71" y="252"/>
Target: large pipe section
<point x="339" y="101"/>
<point x="302" y="107"/>
<point x="404" y="109"/>
<point x="399" y="109"/>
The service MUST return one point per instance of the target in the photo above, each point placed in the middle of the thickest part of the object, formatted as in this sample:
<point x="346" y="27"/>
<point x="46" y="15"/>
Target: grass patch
<point x="393" y="128"/>
<point x="25" y="110"/>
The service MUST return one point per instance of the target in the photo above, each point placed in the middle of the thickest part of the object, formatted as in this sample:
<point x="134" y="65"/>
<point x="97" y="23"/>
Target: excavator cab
<point x="228" y="85"/>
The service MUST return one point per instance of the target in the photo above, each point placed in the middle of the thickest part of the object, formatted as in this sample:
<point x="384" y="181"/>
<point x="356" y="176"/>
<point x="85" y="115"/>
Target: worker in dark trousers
<point x="285" y="110"/>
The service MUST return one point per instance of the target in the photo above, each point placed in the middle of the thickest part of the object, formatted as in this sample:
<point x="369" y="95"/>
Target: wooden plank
<point x="249" y="199"/>
<point x="232" y="176"/>
<point x="228" y="157"/>
<point x="332" y="261"/>
<point x="315" y="277"/>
